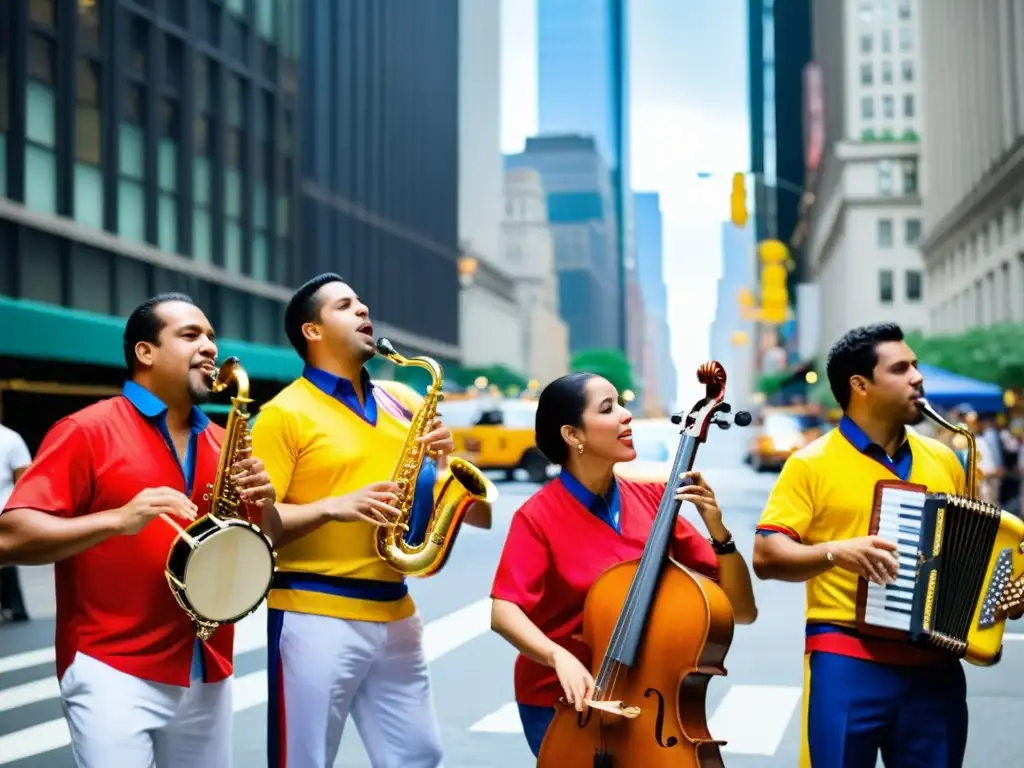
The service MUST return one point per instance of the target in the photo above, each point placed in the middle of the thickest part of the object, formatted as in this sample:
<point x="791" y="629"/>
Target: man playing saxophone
<point x="138" y="688"/>
<point x="344" y="634"/>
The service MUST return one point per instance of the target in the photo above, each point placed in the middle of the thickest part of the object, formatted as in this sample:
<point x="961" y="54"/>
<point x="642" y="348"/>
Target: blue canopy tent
<point x="946" y="389"/>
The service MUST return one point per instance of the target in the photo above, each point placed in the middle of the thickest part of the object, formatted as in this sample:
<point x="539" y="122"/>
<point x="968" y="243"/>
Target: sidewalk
<point x="37" y="588"/>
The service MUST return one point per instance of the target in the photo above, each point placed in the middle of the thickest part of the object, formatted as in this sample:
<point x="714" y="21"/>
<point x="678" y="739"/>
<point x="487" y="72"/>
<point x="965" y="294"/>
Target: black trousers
<point x="10" y="592"/>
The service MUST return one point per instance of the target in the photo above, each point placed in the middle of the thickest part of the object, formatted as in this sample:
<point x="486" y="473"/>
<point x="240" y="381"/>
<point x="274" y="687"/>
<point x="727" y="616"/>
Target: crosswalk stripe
<point x="440" y="637"/>
<point x="503" y="720"/>
<point x="753" y="718"/>
<point x="26" y="660"/>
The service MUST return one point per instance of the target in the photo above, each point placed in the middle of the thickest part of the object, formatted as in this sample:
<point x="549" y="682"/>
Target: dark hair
<point x="856" y="354"/>
<point x="144" y="324"/>
<point x="561" y="402"/>
<point x="304" y="307"/>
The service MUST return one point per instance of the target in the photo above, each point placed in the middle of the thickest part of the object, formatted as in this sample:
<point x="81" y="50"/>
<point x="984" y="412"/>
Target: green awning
<point x="45" y="331"/>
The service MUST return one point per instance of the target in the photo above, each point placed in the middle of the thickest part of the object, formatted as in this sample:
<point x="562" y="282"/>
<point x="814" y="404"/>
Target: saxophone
<point x="463" y="485"/>
<point x="223" y="495"/>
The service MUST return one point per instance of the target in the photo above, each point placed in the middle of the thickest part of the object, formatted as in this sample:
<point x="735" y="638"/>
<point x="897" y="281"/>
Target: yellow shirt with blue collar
<point x="826" y="492"/>
<point x="318" y="441"/>
<point x="153" y="408"/>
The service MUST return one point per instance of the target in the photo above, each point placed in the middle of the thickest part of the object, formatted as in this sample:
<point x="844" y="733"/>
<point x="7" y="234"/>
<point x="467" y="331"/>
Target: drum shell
<point x="182" y="552"/>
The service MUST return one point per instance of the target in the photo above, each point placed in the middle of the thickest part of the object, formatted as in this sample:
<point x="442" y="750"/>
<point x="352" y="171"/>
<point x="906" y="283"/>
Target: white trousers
<point x="376" y="671"/>
<point x="120" y="721"/>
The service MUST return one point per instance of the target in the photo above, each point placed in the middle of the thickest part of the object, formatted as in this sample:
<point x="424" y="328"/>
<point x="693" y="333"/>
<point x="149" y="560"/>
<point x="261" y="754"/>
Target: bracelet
<point x="726" y="547"/>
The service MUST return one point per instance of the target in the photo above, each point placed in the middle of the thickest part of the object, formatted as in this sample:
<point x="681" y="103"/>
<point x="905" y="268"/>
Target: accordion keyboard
<point x="901" y="521"/>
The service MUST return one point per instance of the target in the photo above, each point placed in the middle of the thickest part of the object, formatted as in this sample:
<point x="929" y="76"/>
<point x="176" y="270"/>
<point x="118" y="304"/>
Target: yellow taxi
<point x="778" y="432"/>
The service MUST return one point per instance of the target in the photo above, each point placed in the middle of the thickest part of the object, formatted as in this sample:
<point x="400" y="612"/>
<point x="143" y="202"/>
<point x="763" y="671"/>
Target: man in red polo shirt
<point x="138" y="688"/>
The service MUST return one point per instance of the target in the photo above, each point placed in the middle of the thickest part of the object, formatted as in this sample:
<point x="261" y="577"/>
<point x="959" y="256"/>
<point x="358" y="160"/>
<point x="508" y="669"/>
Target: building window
<point x="885" y="233"/>
<point x="867" y="107"/>
<point x="866" y="43"/>
<point x="886" y="41"/>
<point x="866" y="11"/>
<point x="908" y="105"/>
<point x="131" y="186"/>
<point x="888" y="108"/>
<point x="885" y="9"/>
<point x="910" y="177"/>
<point x="4" y="63"/>
<point x="912" y="234"/>
<point x="88" y="140"/>
<point x="167" y="175"/>
<point x="887" y="72"/>
<point x="906" y="39"/>
<point x="867" y="74"/>
<point x="265" y="19"/>
<point x="40" y="121"/>
<point x="885" y="177"/>
<point x="885" y="286"/>
<point x="282" y="209"/>
<point x="904" y="9"/>
<point x="233" y="176"/>
<point x="261" y="214"/>
<point x="915" y="284"/>
<point x="205" y="78"/>
<point x="907" y="68"/>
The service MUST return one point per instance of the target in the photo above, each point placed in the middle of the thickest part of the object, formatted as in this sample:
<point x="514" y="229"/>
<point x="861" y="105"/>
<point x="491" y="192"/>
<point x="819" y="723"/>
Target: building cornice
<point x="1004" y="178"/>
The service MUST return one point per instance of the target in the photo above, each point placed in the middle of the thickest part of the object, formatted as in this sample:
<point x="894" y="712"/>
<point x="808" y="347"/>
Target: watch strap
<point x="726" y="547"/>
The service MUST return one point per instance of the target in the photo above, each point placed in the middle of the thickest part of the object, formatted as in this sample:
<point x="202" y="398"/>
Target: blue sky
<point x="689" y="113"/>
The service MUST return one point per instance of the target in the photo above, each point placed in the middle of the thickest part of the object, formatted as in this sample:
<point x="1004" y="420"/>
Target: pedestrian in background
<point x="14" y="460"/>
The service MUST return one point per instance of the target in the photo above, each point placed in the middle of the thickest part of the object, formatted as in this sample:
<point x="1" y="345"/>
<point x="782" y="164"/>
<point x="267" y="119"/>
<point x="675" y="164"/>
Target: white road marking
<point x="504" y="720"/>
<point x="26" y="660"/>
<point x="753" y="718"/>
<point x="440" y="637"/>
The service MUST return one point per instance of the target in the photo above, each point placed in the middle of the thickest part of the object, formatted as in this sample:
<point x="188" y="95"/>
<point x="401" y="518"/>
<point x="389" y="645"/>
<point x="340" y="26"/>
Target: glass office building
<point x="583" y="89"/>
<point x="379" y="167"/>
<point x="146" y="146"/>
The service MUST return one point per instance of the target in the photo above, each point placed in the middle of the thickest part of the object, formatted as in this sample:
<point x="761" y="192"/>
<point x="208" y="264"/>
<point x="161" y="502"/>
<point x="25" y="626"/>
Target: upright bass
<point x="659" y="632"/>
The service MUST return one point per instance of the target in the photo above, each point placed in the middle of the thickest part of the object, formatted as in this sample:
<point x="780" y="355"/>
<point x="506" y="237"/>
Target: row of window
<point x="908" y="177"/>
<point x="867" y="72"/>
<point x="913" y="283"/>
<point x="237" y="151"/>
<point x="906" y="34"/>
<point x="911" y="232"/>
<point x="884" y="9"/>
<point x="867" y="106"/>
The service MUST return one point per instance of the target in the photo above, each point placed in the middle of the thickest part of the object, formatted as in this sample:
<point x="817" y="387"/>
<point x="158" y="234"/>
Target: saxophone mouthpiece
<point x="385" y="347"/>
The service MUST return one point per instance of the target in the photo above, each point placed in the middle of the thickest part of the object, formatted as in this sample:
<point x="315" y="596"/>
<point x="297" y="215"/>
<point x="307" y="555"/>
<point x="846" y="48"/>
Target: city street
<point x="756" y="708"/>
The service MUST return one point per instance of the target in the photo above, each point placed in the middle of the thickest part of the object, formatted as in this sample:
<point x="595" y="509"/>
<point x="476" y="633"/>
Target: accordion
<point x="957" y="557"/>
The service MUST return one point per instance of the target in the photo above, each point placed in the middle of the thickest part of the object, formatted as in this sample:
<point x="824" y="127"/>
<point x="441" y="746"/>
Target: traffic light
<point x="773" y="256"/>
<point x="738" y="201"/>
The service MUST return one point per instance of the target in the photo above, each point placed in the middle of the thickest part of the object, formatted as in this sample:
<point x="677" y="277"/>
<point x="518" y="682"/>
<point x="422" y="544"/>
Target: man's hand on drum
<point x="150" y="503"/>
<point x="253" y="482"/>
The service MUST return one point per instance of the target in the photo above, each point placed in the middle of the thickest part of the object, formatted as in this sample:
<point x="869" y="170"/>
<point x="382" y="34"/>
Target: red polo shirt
<point x="555" y="550"/>
<point x="113" y="600"/>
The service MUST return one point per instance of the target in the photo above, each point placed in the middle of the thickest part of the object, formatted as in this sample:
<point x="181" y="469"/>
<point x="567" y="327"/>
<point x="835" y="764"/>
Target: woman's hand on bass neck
<point x="696" y="490"/>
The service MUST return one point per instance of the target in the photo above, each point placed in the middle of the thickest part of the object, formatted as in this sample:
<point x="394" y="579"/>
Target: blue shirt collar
<point x="152" y="407"/>
<point x="899" y="463"/>
<point x="344" y="391"/>
<point x="607" y="507"/>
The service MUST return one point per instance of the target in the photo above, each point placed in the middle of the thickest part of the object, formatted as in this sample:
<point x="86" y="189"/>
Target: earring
<point x="579" y="448"/>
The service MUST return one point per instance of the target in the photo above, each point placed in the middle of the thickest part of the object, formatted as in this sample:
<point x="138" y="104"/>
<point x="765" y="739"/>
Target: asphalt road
<point x="755" y="708"/>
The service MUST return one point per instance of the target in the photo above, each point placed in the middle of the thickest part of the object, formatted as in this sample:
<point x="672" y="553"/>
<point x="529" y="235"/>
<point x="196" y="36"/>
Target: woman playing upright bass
<point x="575" y="528"/>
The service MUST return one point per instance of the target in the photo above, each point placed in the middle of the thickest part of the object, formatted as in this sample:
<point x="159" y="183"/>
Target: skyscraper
<point x="659" y="370"/>
<point x="583" y="88"/>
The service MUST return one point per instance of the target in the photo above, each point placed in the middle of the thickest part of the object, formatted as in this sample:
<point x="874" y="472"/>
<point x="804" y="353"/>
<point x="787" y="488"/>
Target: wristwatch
<point x="726" y="547"/>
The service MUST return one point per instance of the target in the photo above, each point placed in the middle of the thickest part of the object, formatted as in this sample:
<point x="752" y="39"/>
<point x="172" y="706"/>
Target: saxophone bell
<point x="461" y="485"/>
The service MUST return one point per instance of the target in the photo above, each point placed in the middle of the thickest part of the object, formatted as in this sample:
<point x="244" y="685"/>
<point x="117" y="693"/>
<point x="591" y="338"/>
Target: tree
<point x="607" y="362"/>
<point x="994" y="354"/>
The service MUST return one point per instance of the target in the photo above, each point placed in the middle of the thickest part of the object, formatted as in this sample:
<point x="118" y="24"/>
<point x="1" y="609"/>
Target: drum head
<point x="229" y="574"/>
